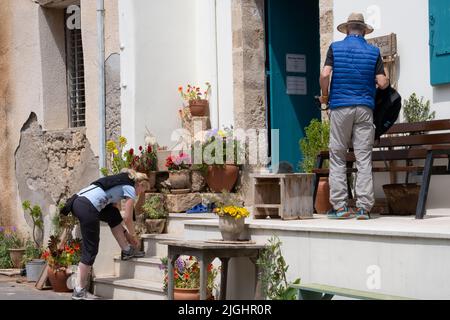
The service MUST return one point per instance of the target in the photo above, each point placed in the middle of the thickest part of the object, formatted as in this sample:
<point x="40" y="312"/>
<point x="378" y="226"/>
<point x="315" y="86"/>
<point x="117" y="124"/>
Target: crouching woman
<point x="101" y="202"/>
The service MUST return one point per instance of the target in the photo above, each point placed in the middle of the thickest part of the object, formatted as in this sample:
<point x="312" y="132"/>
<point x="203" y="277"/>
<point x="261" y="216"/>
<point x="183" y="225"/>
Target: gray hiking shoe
<point x="132" y="253"/>
<point x="79" y="295"/>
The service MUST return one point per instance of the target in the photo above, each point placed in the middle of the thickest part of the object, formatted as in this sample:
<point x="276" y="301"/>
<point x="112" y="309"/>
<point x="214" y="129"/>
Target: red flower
<point x="186" y="276"/>
<point x="149" y="149"/>
<point x="76" y="247"/>
<point x="140" y="148"/>
<point x="210" y="267"/>
<point x="175" y="275"/>
<point x="131" y="151"/>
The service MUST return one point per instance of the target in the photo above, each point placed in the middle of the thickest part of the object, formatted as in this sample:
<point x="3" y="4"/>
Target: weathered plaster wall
<point x="326" y="27"/>
<point x="27" y="45"/>
<point x="52" y="165"/>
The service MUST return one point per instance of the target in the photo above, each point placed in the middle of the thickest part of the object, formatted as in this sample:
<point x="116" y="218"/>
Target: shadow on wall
<point x="441" y="93"/>
<point x="52" y="165"/>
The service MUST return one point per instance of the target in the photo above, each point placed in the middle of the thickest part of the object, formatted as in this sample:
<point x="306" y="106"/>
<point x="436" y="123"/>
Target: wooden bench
<point x="324" y="292"/>
<point x="407" y="142"/>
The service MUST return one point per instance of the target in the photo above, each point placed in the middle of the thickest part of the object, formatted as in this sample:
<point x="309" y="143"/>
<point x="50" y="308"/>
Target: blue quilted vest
<point x="353" y="82"/>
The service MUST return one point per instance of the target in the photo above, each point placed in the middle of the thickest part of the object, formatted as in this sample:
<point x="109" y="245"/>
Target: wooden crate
<point x="285" y="196"/>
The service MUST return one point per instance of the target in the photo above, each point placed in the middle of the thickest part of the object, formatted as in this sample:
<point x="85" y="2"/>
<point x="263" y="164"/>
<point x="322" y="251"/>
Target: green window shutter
<point x="439" y="41"/>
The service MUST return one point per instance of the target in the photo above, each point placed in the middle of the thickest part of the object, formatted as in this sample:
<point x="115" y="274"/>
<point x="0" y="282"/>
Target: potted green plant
<point x="178" y="166"/>
<point x="317" y="137"/>
<point x="155" y="214"/>
<point x="146" y="162"/>
<point x="402" y="198"/>
<point x="11" y="248"/>
<point x="222" y="154"/>
<point x="197" y="99"/>
<point x="273" y="273"/>
<point x="31" y="260"/>
<point x="187" y="278"/>
<point x="232" y="214"/>
<point x="60" y="259"/>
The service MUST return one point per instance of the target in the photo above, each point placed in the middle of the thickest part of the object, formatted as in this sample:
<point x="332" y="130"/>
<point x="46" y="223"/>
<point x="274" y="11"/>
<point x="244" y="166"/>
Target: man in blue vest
<point x="357" y="69"/>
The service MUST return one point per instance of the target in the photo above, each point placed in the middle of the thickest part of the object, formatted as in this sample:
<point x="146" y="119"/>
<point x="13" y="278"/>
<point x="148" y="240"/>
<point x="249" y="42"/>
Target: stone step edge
<point x="150" y="260"/>
<point x="145" y="285"/>
<point x="162" y="237"/>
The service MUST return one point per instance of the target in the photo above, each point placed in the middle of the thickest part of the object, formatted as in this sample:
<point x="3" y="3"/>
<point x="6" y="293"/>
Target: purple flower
<point x="2" y="229"/>
<point x="13" y="229"/>
<point x="180" y="265"/>
<point x="212" y="133"/>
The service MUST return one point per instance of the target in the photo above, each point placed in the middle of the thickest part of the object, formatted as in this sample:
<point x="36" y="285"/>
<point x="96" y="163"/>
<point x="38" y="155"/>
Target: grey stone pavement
<point x="17" y="288"/>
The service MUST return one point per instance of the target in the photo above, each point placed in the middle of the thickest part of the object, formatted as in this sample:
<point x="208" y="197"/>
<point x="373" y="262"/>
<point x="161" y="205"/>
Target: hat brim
<point x="343" y="27"/>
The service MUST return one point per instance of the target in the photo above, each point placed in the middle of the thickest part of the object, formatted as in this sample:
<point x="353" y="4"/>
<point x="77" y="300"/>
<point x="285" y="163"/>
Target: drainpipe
<point x="101" y="80"/>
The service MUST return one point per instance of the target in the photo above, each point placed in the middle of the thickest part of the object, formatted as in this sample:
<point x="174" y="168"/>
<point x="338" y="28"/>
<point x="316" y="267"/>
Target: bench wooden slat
<point x="349" y="293"/>
<point x="415" y="140"/>
<point x="404" y="154"/>
<point x="435" y="125"/>
<point x="436" y="169"/>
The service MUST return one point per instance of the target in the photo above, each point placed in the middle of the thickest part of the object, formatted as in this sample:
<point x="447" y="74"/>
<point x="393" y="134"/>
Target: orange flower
<point x="77" y="247"/>
<point x="186" y="276"/>
<point x="176" y="275"/>
<point x="210" y="267"/>
<point x="180" y="89"/>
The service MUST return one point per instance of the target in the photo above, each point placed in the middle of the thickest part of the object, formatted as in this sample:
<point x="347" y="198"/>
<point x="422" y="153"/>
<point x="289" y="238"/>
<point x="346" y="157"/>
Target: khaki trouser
<point x="351" y="127"/>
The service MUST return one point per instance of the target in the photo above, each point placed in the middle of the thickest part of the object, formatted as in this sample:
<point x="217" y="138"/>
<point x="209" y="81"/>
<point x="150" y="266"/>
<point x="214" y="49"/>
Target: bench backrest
<point x="416" y="134"/>
<point x="428" y="133"/>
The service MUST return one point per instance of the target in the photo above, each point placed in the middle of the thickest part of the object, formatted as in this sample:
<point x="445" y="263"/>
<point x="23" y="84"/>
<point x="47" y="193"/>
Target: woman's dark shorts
<point x="90" y="225"/>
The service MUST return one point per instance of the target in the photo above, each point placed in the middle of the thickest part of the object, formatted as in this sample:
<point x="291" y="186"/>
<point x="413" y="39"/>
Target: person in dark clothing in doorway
<point x="94" y="204"/>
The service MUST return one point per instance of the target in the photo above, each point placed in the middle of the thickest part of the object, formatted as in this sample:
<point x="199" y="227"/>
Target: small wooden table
<point x="206" y="252"/>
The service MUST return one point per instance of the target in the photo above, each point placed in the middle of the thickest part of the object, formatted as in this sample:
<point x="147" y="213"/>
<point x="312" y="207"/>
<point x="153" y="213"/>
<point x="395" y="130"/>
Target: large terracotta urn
<point x="58" y="280"/>
<point x="222" y="177"/>
<point x="322" y="204"/>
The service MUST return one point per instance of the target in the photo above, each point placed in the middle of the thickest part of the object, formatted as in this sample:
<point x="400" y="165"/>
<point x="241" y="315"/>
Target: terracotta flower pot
<point x="151" y="179"/>
<point x="322" y="204"/>
<point x="221" y="178"/>
<point x="186" y="294"/>
<point x="16" y="257"/>
<point x="58" y="280"/>
<point x="198" y="108"/>
<point x="230" y="228"/>
<point x="179" y="179"/>
<point x="155" y="226"/>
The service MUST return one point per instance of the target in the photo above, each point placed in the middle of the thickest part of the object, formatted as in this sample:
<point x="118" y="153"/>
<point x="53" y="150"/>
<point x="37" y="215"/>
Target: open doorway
<point x="292" y="70"/>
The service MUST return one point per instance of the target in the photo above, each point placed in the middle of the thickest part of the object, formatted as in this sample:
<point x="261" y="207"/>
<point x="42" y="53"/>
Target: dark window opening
<point x="75" y="77"/>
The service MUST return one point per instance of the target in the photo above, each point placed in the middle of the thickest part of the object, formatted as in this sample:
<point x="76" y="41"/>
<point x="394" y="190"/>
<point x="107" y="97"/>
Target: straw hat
<point x="355" y="18"/>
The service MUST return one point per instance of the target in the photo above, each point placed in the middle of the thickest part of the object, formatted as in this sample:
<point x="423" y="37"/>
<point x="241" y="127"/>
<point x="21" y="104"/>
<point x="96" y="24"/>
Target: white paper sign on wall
<point x="296" y="63"/>
<point x="296" y="86"/>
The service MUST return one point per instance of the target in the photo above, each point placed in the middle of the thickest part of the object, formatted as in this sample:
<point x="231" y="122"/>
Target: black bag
<point x="109" y="182"/>
<point x="388" y="104"/>
<point x="105" y="183"/>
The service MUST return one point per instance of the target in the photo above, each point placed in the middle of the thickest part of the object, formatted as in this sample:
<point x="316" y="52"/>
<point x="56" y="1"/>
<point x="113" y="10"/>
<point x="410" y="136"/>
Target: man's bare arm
<point x="325" y="77"/>
<point x="382" y="81"/>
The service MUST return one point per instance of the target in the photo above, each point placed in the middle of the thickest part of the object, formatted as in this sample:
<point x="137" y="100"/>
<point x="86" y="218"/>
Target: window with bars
<point x="75" y="77"/>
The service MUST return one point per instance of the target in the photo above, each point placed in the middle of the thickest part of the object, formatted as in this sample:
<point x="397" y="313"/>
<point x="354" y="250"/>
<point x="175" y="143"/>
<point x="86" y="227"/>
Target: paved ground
<point x="17" y="288"/>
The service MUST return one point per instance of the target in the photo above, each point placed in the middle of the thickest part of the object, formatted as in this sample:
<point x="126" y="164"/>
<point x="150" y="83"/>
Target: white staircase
<point x="142" y="279"/>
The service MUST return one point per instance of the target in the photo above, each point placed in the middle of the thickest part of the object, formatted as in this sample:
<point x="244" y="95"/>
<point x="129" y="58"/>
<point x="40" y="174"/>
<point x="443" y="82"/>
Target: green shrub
<point x="316" y="140"/>
<point x="417" y="111"/>
<point x="153" y="208"/>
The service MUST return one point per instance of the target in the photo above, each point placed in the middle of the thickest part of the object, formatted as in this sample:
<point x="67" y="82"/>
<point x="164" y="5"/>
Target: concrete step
<point x="117" y="288"/>
<point x="141" y="269"/>
<point x="153" y="248"/>
<point x="176" y="221"/>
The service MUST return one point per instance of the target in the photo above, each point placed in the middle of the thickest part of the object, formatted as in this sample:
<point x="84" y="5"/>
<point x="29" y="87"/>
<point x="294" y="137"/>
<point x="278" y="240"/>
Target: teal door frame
<point x="292" y="36"/>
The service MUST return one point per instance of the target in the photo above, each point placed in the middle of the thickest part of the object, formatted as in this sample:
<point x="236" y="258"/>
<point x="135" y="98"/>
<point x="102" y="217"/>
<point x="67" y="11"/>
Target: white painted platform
<point x="392" y="255"/>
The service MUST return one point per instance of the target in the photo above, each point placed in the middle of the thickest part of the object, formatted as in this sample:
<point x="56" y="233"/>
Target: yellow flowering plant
<point x="118" y="158"/>
<point x="227" y="204"/>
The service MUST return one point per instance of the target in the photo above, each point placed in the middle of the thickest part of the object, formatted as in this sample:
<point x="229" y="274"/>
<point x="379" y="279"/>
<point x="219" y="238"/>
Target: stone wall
<point x="112" y="82"/>
<point x="326" y="27"/>
<point x="249" y="72"/>
<point x="52" y="165"/>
